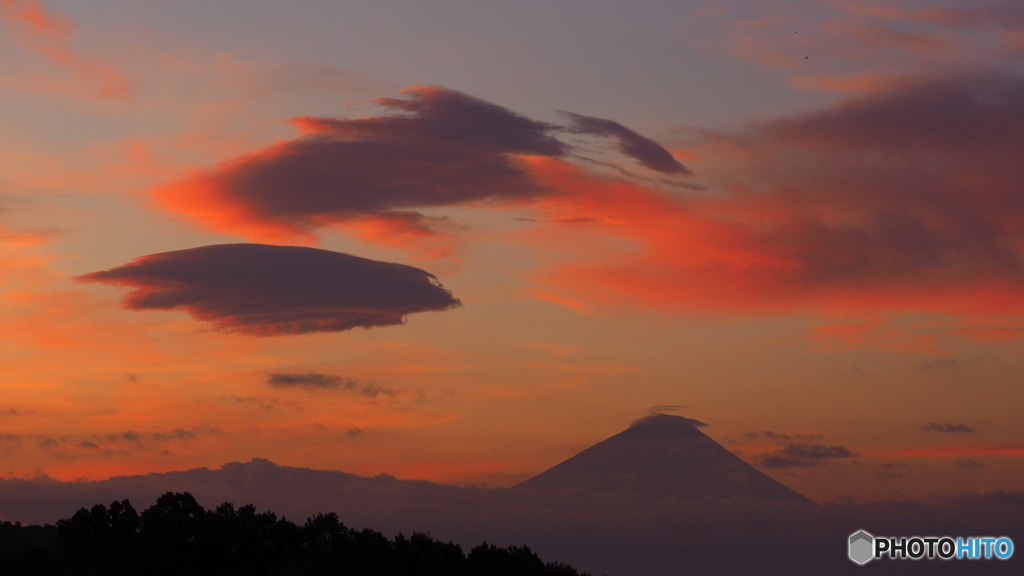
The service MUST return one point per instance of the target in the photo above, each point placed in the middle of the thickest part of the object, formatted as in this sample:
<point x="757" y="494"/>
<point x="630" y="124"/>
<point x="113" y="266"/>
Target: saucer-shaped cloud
<point x="437" y="148"/>
<point x="269" y="290"/>
<point x="432" y="148"/>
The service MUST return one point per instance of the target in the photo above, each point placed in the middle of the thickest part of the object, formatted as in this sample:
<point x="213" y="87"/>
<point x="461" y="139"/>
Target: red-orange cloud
<point x="907" y="200"/>
<point x="902" y="200"/>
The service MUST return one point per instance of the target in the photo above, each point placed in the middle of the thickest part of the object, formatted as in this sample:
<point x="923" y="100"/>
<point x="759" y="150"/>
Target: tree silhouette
<point x="176" y="536"/>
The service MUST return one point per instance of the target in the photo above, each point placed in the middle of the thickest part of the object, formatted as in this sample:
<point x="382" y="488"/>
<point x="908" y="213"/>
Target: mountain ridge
<point x="658" y="456"/>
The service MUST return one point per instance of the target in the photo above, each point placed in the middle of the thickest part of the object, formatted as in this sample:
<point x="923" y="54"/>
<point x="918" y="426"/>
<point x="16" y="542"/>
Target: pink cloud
<point x="48" y="35"/>
<point x="837" y="45"/>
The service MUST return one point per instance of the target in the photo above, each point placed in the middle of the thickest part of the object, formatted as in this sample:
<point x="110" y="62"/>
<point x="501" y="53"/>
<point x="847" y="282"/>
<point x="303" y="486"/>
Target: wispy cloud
<point x="664" y="408"/>
<point x="803" y="455"/>
<point x="317" y="381"/>
<point x="948" y="428"/>
<point x="779" y="436"/>
<point x="642" y="149"/>
<point x="49" y="35"/>
<point x="866" y="47"/>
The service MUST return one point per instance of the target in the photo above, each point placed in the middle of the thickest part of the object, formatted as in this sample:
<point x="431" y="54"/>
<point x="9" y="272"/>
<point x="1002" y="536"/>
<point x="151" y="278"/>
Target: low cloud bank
<point x="602" y="533"/>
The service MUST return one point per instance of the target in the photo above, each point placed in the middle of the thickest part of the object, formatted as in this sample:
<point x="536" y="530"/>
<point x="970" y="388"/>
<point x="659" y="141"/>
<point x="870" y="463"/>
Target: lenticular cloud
<point x="270" y="290"/>
<point x="433" y="148"/>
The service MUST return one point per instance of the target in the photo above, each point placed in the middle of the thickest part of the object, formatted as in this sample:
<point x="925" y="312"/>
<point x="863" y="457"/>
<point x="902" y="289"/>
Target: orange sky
<point x="802" y="227"/>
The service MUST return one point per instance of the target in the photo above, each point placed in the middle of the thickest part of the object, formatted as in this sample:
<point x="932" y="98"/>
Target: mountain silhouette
<point x="662" y="455"/>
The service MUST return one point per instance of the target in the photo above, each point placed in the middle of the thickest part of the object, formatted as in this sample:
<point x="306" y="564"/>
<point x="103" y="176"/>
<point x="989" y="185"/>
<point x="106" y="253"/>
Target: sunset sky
<point x="462" y="241"/>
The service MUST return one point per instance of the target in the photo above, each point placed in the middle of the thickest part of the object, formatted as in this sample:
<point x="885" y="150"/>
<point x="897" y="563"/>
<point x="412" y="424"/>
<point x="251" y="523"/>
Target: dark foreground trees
<point x="178" y="537"/>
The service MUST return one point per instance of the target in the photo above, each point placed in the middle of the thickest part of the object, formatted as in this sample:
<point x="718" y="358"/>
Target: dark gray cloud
<point x="768" y="434"/>
<point x="127" y="442"/>
<point x="141" y="440"/>
<point x="917" y="213"/>
<point x="968" y="464"/>
<point x="318" y="381"/>
<point x="177" y="434"/>
<point x="642" y="149"/>
<point x="435" y="147"/>
<point x="779" y="436"/>
<point x="948" y="428"/>
<point x="904" y="199"/>
<point x="802" y="455"/>
<point x="270" y="290"/>
<point x="441" y="117"/>
<point x="939" y="365"/>
<point x="816" y="451"/>
<point x="268" y="404"/>
<point x="129" y="436"/>
<point x="47" y="443"/>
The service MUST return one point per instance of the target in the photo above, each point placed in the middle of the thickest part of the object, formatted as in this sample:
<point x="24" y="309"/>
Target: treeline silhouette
<point x="178" y="537"/>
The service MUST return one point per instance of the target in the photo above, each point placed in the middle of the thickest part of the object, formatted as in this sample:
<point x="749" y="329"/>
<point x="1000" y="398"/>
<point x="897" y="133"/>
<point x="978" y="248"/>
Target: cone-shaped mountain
<point x="662" y="455"/>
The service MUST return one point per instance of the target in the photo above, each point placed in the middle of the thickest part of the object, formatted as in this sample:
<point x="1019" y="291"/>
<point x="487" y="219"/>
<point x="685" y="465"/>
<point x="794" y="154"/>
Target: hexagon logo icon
<point x="861" y="547"/>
